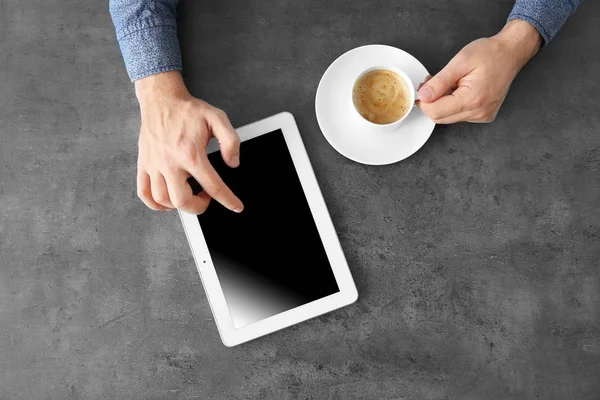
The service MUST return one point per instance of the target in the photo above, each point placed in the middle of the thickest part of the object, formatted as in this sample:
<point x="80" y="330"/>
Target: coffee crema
<point x="381" y="96"/>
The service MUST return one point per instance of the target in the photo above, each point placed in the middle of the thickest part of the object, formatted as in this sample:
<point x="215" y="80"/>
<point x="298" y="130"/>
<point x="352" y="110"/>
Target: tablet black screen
<point x="269" y="258"/>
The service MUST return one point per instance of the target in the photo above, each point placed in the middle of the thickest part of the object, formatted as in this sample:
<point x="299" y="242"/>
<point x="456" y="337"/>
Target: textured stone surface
<point x="477" y="259"/>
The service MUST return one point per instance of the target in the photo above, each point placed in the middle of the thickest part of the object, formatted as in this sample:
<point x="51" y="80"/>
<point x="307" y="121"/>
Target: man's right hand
<point x="176" y="128"/>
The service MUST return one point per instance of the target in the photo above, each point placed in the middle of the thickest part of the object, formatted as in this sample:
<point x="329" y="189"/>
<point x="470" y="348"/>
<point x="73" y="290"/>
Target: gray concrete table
<point x="476" y="259"/>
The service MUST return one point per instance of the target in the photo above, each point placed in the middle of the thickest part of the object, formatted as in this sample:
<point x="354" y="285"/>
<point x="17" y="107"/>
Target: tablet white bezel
<point x="348" y="294"/>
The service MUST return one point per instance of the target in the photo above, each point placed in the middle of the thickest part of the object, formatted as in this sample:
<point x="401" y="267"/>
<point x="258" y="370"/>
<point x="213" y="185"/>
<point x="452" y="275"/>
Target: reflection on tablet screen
<point x="269" y="259"/>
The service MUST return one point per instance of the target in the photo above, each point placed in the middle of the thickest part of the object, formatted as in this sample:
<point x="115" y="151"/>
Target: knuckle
<point x="147" y="200"/>
<point x="220" y="114"/>
<point x="484" y="117"/>
<point x="478" y="101"/>
<point x="162" y="197"/>
<point x="201" y="208"/>
<point x="190" y="152"/>
<point x="460" y="57"/>
<point x="213" y="190"/>
<point x="165" y="159"/>
<point x="490" y="115"/>
<point x="439" y="81"/>
<point x="441" y="120"/>
<point x="193" y="162"/>
<point x="181" y="202"/>
<point x="489" y="118"/>
<point x="231" y="141"/>
<point x="143" y="192"/>
<point x="435" y="114"/>
<point x="201" y="211"/>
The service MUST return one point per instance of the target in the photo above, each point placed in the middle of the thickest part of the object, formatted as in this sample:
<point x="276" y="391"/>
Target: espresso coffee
<point x="381" y="96"/>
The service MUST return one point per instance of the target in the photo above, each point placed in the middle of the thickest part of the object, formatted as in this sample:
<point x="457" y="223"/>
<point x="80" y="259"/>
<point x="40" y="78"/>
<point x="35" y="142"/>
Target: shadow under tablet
<point x="269" y="258"/>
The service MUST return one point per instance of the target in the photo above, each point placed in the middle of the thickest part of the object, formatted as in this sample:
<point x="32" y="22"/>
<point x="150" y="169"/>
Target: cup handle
<point x="416" y="94"/>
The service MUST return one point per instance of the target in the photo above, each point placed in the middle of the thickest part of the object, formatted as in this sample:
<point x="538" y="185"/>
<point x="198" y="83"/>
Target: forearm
<point x="547" y="16"/>
<point x="147" y="34"/>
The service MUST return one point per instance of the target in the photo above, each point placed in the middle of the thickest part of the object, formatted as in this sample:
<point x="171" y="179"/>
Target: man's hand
<point x="176" y="128"/>
<point x="475" y="82"/>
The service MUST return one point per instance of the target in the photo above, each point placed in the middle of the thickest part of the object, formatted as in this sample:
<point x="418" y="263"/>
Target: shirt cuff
<point x="533" y="22"/>
<point x="547" y="16"/>
<point x="150" y="47"/>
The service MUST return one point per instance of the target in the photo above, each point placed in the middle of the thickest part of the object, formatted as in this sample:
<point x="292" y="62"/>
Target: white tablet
<point x="279" y="262"/>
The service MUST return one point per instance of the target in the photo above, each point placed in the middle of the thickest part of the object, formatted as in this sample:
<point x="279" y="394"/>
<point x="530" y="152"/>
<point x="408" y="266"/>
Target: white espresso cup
<point x="411" y="92"/>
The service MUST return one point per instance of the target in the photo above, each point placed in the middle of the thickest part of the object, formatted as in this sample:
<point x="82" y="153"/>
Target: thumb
<point x="445" y="80"/>
<point x="229" y="141"/>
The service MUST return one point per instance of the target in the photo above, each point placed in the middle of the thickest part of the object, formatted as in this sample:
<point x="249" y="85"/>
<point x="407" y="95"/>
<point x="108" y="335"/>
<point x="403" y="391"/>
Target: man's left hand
<point x="473" y="85"/>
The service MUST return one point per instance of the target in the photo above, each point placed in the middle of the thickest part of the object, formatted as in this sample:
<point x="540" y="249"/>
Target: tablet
<point x="279" y="262"/>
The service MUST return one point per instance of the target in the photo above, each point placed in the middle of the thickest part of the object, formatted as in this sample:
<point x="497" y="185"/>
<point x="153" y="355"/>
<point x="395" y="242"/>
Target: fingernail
<point x="235" y="161"/>
<point x="237" y="210"/>
<point x="425" y="93"/>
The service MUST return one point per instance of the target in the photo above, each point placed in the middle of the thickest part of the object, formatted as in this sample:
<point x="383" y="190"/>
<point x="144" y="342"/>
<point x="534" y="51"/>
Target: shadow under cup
<point x="383" y="96"/>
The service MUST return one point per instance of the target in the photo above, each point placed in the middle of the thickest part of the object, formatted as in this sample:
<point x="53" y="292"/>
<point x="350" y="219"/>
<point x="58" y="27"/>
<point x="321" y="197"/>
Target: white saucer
<point x="343" y="127"/>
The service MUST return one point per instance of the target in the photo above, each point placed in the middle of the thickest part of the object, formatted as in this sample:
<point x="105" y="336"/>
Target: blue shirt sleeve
<point x="147" y="30"/>
<point x="147" y="34"/>
<point x="547" y="16"/>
